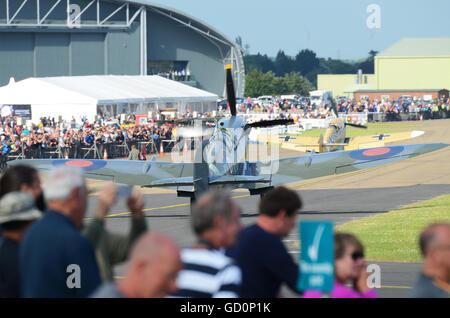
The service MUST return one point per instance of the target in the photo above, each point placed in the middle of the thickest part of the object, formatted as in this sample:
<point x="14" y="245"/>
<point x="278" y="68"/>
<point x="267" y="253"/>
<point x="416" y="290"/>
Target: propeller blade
<point x="230" y="91"/>
<point x="356" y="125"/>
<point x="194" y="132"/>
<point x="269" y="123"/>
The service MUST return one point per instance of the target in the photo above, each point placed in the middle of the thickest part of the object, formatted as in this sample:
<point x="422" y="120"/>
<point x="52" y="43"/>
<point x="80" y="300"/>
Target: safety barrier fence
<point x="92" y="151"/>
<point x="392" y="116"/>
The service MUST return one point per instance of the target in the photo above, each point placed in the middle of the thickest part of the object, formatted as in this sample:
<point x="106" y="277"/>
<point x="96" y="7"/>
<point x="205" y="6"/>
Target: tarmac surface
<point x="338" y="198"/>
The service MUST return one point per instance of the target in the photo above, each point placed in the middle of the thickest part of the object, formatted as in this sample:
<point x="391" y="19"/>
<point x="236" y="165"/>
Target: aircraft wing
<point x="323" y="164"/>
<point x="260" y="174"/>
<point x="147" y="174"/>
<point x="386" y="138"/>
<point x="139" y="173"/>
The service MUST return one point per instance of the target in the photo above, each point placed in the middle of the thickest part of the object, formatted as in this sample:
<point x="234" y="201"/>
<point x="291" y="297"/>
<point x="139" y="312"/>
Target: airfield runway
<point x="339" y="198"/>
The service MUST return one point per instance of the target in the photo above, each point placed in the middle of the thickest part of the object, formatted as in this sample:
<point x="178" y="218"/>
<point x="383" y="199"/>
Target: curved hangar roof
<point x="194" y="22"/>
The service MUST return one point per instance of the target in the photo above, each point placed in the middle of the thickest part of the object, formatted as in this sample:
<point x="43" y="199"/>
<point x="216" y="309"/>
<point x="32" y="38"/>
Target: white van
<point x="265" y="100"/>
<point x="283" y="97"/>
<point x="318" y="98"/>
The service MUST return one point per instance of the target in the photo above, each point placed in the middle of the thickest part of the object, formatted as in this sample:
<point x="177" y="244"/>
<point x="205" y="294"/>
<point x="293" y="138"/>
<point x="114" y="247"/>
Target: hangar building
<point x="49" y="38"/>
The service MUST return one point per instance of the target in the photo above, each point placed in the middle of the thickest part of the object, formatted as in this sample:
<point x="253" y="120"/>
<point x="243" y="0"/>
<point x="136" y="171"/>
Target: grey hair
<point x="212" y="203"/>
<point x="61" y="181"/>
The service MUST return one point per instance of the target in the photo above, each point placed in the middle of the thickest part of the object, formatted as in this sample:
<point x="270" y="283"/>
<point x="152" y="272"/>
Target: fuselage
<point x="227" y="148"/>
<point x="335" y="134"/>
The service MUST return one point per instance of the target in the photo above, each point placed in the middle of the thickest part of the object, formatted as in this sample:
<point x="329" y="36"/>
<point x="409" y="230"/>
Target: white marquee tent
<point x="79" y="96"/>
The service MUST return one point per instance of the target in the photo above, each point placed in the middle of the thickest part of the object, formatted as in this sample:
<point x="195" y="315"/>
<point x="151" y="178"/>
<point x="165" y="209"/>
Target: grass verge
<point x="393" y="236"/>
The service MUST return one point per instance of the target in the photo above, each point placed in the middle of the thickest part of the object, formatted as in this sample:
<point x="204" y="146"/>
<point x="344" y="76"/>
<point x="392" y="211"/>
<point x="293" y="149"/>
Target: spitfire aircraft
<point x="335" y="139"/>
<point x="223" y="161"/>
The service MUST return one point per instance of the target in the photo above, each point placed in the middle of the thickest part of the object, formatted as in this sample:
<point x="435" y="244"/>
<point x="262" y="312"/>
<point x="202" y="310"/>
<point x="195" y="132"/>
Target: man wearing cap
<point x="17" y="212"/>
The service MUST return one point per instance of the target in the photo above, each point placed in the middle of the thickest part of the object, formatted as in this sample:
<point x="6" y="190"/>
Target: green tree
<point x="259" y="62"/>
<point x="279" y="87"/>
<point x="372" y="54"/>
<point x="297" y="84"/>
<point x="259" y="83"/>
<point x="340" y="67"/>
<point x="306" y="61"/>
<point x="283" y="64"/>
<point x="368" y="65"/>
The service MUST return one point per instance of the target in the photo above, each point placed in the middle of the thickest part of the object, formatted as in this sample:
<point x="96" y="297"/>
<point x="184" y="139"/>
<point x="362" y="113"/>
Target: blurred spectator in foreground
<point x="151" y="272"/>
<point x="25" y="179"/>
<point x="434" y="281"/>
<point x="207" y="272"/>
<point x="260" y="252"/>
<point x="349" y="266"/>
<point x="110" y="248"/>
<point x="55" y="259"/>
<point x="17" y="212"/>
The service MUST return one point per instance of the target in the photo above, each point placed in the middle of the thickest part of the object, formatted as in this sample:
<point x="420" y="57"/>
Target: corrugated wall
<point x="65" y="52"/>
<point x="40" y="54"/>
<point x="168" y="40"/>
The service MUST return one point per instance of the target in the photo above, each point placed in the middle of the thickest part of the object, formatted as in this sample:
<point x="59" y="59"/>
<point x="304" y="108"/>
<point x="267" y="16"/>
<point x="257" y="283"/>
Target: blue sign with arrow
<point x="317" y="256"/>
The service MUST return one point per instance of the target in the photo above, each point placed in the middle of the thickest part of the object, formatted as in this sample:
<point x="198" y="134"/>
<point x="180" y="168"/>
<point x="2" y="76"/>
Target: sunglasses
<point x="357" y="255"/>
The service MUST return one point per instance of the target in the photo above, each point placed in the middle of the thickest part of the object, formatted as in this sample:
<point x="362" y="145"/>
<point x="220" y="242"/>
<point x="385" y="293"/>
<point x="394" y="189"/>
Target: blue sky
<point x="331" y="28"/>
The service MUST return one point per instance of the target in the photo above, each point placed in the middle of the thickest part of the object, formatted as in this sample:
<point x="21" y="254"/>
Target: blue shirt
<point x="49" y="246"/>
<point x="265" y="263"/>
<point x="9" y="268"/>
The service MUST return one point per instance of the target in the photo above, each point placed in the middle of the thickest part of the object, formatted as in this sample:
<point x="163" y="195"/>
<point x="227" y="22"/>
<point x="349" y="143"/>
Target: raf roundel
<point x="376" y="153"/>
<point x="86" y="165"/>
<point x="79" y="163"/>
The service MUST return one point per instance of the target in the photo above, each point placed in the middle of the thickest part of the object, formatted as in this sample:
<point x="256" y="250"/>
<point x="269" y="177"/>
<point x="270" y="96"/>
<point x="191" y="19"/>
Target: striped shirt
<point x="208" y="274"/>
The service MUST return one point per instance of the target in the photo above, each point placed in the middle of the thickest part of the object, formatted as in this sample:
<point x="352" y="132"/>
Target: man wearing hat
<point x="17" y="212"/>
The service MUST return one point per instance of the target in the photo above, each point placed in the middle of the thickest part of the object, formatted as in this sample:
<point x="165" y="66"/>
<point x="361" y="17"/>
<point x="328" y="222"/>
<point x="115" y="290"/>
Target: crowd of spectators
<point x="114" y="137"/>
<point x="434" y="109"/>
<point x="291" y="108"/>
<point x="52" y="251"/>
<point x="182" y="75"/>
<point x="49" y="139"/>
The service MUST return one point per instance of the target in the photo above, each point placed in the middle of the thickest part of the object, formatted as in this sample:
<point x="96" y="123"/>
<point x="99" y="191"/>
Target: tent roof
<point x="101" y="89"/>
